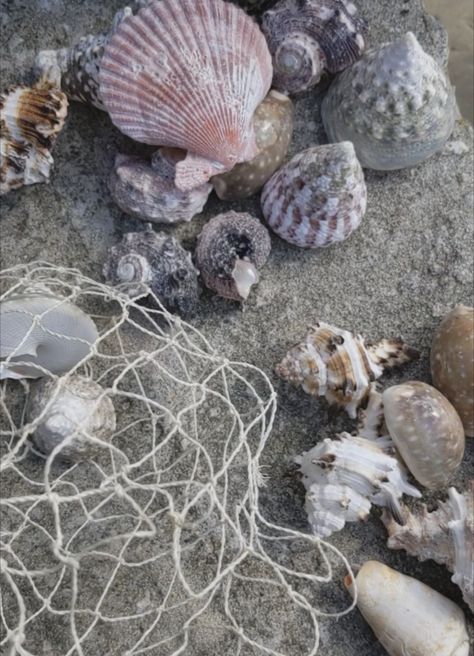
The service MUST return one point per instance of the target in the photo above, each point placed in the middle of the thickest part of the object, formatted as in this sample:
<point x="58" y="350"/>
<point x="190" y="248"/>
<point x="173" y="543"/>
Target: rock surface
<point x="409" y="262"/>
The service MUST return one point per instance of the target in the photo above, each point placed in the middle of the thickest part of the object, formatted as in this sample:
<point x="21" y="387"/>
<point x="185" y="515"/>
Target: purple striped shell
<point x="318" y="198"/>
<point x="189" y="74"/>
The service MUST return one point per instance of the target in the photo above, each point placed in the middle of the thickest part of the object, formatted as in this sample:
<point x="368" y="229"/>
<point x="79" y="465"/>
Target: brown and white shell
<point x="426" y="430"/>
<point x="338" y="365"/>
<point x="318" y="198"/>
<point x="273" y="125"/>
<point x="452" y="362"/>
<point x="190" y="75"/>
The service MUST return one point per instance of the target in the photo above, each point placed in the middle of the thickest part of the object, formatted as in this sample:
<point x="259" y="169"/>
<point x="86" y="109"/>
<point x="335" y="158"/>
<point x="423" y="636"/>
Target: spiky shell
<point x="345" y="476"/>
<point x="147" y="260"/>
<point x="426" y="430"/>
<point x="42" y="334"/>
<point x="452" y="362"/>
<point x="30" y="120"/>
<point x="336" y="364"/>
<point x="147" y="190"/>
<point x="307" y="37"/>
<point x="273" y="125"/>
<point x="231" y="249"/>
<point x="189" y="74"/>
<point x="318" y="198"/>
<point x="408" y="617"/>
<point x="71" y="413"/>
<point x="395" y="104"/>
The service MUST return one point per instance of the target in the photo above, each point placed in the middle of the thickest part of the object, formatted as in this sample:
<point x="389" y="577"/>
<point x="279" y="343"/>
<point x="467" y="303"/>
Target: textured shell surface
<point x="337" y="364"/>
<point x="147" y="190"/>
<point x="345" y="476"/>
<point x="30" y="120"/>
<point x="149" y="260"/>
<point x="71" y="414"/>
<point x="189" y="74"/>
<point x="273" y="125"/>
<point x="426" y="430"/>
<point x="395" y="104"/>
<point x="42" y="334"/>
<point x="318" y="198"/>
<point x="231" y="250"/>
<point x="408" y="617"/>
<point x="307" y="37"/>
<point x="452" y="362"/>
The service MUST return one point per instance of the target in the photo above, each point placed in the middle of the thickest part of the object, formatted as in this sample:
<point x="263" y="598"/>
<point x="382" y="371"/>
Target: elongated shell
<point x="308" y="37"/>
<point x="41" y="335"/>
<point x="190" y="75"/>
<point x="408" y="617"/>
<point x="426" y="430"/>
<point x="336" y="364"/>
<point x="273" y="125"/>
<point x="395" y="104"/>
<point x="74" y="413"/>
<point x="318" y="198"/>
<point x="452" y="362"/>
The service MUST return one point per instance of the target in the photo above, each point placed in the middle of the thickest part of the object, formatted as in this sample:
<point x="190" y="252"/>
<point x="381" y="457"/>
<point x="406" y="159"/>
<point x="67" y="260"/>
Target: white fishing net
<point x="158" y="545"/>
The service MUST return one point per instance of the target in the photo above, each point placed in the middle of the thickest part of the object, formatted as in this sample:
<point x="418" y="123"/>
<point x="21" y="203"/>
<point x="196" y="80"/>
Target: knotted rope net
<point x="157" y="545"/>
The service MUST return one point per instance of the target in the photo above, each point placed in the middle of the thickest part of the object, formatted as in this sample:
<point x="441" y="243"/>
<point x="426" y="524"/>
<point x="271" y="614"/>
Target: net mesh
<point x="158" y="544"/>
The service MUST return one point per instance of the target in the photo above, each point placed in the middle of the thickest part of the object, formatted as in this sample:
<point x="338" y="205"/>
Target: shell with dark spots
<point x="231" y="249"/>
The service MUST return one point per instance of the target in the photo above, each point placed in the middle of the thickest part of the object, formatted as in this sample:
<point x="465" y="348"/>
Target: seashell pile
<point x="147" y="190"/>
<point x="231" y="249"/>
<point x="336" y="364"/>
<point x="318" y="198"/>
<point x="200" y="95"/>
<point x="395" y="104"/>
<point x="308" y="37"/>
<point x="452" y="362"/>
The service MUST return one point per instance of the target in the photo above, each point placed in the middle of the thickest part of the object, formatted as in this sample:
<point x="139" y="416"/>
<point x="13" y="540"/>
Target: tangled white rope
<point x="157" y="545"/>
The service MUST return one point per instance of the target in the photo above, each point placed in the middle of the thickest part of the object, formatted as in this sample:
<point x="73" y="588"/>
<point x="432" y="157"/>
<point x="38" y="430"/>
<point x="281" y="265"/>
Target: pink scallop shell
<point x="188" y="74"/>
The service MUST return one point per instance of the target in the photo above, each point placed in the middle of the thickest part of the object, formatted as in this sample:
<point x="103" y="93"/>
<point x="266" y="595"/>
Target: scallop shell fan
<point x="189" y="74"/>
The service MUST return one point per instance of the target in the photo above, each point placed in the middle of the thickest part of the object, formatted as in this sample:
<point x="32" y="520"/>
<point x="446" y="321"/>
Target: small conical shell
<point x="189" y="74"/>
<point x="318" y="198"/>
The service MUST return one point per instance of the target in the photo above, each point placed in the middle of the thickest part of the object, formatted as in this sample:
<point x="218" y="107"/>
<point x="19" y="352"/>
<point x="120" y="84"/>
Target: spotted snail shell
<point x="307" y="37"/>
<point x="273" y="125"/>
<point x="318" y="198"/>
<point x="452" y="362"/>
<point x="395" y="104"/>
<point x="189" y="74"/>
<point x="426" y="430"/>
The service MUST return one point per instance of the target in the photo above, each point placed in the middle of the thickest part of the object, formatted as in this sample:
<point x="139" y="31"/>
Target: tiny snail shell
<point x="452" y="362"/>
<point x="426" y="430"/>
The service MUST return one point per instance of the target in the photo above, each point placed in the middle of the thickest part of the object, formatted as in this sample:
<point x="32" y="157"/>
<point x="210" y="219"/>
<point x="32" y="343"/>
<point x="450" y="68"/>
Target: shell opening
<point x="245" y="276"/>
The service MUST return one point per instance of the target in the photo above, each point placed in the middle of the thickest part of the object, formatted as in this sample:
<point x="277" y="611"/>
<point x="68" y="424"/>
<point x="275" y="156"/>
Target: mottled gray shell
<point x="395" y="104"/>
<point x="318" y="198"/>
<point x="231" y="249"/>
<point x="307" y="37"/>
<point x="273" y="125"/>
<point x="156" y="261"/>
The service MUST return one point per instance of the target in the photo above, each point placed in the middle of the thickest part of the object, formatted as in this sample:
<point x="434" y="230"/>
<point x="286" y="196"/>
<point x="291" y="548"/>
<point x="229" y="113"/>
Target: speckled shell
<point x="318" y="198"/>
<point x="408" y="617"/>
<point x="345" y="476"/>
<point x="42" y="334"/>
<point x="231" y="249"/>
<point x="307" y="37"/>
<point x="336" y="364"/>
<point x="30" y="120"/>
<point x="189" y="74"/>
<point x="149" y="260"/>
<point x="70" y="412"/>
<point x="273" y="125"/>
<point x="146" y="189"/>
<point x="426" y="430"/>
<point x="395" y="104"/>
<point x="452" y="362"/>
